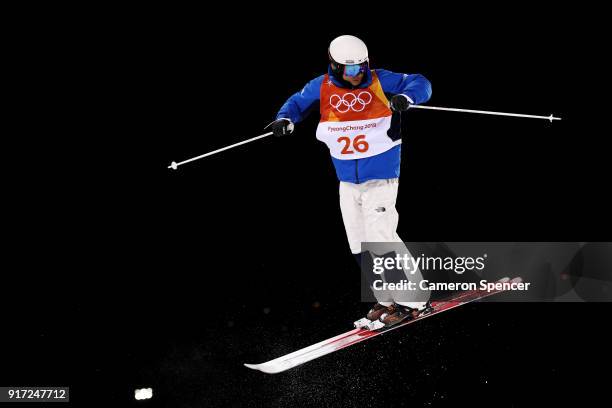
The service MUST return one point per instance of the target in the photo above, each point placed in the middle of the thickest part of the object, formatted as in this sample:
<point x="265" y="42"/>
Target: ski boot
<point x="373" y="315"/>
<point x="401" y="313"/>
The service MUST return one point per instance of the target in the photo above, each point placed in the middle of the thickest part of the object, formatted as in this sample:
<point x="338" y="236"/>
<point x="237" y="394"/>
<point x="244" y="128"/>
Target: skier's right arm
<point x="297" y="107"/>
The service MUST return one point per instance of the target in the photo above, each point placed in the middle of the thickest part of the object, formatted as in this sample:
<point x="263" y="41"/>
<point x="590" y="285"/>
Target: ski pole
<point x="483" y="112"/>
<point x="174" y="165"/>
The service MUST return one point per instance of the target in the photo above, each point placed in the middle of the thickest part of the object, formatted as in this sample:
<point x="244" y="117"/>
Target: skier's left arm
<point x="414" y="86"/>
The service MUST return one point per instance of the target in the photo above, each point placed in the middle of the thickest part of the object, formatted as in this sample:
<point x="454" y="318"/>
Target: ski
<point x="358" y="335"/>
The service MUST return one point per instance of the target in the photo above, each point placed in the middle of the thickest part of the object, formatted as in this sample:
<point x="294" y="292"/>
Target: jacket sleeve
<point x="414" y="86"/>
<point x="299" y="104"/>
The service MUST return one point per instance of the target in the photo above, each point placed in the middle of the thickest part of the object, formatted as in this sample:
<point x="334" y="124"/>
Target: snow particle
<point x="143" y="393"/>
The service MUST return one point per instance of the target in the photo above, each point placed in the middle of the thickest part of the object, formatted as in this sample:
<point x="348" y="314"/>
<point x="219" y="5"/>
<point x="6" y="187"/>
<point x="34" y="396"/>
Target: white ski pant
<point x="369" y="215"/>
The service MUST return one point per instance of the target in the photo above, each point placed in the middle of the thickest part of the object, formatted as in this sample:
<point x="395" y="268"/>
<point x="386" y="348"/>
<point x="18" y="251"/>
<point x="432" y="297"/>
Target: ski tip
<point x="504" y="280"/>
<point x="518" y="279"/>
<point x="269" y="367"/>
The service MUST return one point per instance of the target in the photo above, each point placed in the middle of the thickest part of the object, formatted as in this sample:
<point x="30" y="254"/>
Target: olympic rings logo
<point x="349" y="101"/>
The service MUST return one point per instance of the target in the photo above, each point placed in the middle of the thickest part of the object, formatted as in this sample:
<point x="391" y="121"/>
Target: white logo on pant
<point x="350" y="101"/>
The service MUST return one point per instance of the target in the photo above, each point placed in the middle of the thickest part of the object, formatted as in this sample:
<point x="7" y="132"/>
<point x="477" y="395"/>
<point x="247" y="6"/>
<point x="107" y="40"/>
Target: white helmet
<point x="348" y="50"/>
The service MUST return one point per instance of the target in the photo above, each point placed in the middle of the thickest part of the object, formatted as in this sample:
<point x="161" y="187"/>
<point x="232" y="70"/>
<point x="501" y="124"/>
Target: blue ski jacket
<point x="385" y="165"/>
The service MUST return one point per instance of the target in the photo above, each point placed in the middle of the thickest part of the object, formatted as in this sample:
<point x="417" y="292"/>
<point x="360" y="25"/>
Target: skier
<point x="361" y="127"/>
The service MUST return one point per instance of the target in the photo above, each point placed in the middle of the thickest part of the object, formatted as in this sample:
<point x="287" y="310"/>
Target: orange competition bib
<point x="354" y="122"/>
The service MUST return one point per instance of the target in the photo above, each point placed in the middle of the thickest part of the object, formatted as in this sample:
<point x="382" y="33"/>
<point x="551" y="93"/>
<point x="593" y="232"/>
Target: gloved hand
<point x="282" y="127"/>
<point x="400" y="103"/>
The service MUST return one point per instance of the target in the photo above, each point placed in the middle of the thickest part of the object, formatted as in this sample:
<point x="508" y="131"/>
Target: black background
<point x="121" y="273"/>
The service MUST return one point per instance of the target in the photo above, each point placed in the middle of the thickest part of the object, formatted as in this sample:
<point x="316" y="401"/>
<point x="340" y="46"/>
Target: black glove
<point x="400" y="103"/>
<point x="282" y="127"/>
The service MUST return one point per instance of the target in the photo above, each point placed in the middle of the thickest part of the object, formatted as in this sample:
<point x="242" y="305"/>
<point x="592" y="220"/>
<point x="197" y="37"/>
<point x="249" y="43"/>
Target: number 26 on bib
<point x="349" y="146"/>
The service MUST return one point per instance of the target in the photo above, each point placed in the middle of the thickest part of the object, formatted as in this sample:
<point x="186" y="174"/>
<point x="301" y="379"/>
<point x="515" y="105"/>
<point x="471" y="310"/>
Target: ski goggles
<point x="351" y="70"/>
<point x="355" y="69"/>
